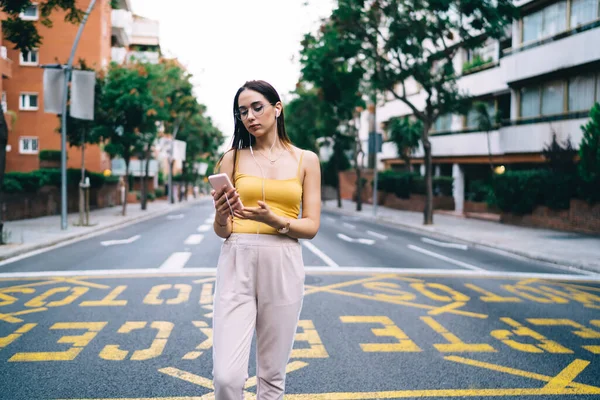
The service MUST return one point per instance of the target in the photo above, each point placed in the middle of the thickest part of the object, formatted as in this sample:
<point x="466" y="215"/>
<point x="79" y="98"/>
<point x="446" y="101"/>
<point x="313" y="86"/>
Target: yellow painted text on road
<point x="390" y="329"/>
<point x="79" y="342"/>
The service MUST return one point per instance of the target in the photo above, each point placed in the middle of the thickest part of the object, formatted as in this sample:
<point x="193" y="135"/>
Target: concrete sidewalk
<point x="564" y="248"/>
<point x="37" y="233"/>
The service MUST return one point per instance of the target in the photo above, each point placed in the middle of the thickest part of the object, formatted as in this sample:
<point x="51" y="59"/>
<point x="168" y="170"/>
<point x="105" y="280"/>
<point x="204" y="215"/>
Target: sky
<point x="225" y="43"/>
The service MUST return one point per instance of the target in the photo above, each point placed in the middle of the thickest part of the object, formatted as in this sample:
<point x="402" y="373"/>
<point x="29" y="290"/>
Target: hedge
<point x="520" y="192"/>
<point x="15" y="182"/>
<point x="402" y="184"/>
<point x="50" y="155"/>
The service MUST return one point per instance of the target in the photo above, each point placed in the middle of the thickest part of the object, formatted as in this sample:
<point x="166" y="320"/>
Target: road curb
<point x="75" y="237"/>
<point x="595" y="268"/>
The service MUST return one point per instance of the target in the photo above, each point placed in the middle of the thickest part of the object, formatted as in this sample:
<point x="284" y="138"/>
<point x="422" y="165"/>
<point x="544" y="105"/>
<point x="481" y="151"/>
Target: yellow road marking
<point x="347" y="283"/>
<point x="455" y="344"/>
<point x="10" y="317"/>
<point x="406" y="303"/>
<point x="567" y="374"/>
<point x="81" y="282"/>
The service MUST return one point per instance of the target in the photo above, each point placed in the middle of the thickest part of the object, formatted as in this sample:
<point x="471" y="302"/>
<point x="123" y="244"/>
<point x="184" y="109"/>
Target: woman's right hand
<point x="220" y="199"/>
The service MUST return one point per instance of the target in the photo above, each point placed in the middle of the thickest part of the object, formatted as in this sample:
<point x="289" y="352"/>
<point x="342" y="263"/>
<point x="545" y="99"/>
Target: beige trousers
<point x="260" y="286"/>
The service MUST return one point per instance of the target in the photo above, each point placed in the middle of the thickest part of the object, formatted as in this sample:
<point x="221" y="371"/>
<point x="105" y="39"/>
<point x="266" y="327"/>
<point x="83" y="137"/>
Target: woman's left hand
<point x="262" y="213"/>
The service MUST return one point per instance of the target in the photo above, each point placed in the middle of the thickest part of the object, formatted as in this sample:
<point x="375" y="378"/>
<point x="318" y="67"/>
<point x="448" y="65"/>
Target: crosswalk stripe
<point x="195" y="238"/>
<point x="203" y="228"/>
<point x="176" y="261"/>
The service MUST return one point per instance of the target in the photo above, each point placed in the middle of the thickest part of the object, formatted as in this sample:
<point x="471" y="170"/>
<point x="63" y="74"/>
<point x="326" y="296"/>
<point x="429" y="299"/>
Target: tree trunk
<point x="81" y="190"/>
<point x="428" y="211"/>
<point x="126" y="184"/>
<point x="171" y="194"/>
<point x="489" y="150"/>
<point x="3" y="143"/>
<point x="144" y="195"/>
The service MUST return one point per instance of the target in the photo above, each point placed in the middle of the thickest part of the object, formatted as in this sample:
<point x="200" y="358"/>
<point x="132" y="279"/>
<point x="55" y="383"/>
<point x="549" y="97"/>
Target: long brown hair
<point x="242" y="139"/>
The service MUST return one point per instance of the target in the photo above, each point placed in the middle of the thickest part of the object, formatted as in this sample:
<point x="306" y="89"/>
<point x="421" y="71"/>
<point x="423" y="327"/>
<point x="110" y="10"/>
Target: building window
<point x="28" y="145"/>
<point x="530" y="102"/>
<point x="443" y="123"/>
<point x="553" y="98"/>
<point x="546" y="22"/>
<point x="549" y="98"/>
<point x="581" y="93"/>
<point x="29" y="101"/>
<point x="31" y="13"/>
<point x="473" y="116"/>
<point x="583" y="11"/>
<point x="29" y="57"/>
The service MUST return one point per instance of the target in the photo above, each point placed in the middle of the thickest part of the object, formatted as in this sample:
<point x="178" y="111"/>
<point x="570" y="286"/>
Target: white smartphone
<point x="218" y="180"/>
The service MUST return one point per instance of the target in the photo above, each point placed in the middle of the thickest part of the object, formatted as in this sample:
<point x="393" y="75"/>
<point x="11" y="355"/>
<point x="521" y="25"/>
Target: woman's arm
<point x="223" y="222"/>
<point x="307" y="226"/>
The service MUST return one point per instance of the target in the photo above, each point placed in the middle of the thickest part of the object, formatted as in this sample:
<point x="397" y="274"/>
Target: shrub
<point x="589" y="153"/>
<point x="11" y="185"/>
<point x="520" y="192"/>
<point x="49" y="155"/>
<point x="159" y="192"/>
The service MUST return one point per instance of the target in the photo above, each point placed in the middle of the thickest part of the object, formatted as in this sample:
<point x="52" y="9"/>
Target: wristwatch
<point x="286" y="227"/>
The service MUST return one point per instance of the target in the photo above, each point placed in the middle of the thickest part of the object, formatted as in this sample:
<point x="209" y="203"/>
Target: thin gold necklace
<point x="272" y="161"/>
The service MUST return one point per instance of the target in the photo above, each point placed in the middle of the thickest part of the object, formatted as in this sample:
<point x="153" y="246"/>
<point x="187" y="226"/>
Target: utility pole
<point x="63" y="142"/>
<point x="175" y="130"/>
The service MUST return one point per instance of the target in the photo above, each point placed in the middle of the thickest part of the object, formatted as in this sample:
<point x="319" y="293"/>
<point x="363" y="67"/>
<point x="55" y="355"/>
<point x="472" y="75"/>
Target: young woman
<point x="260" y="273"/>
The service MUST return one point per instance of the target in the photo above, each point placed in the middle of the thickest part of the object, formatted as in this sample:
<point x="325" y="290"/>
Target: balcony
<point x="484" y="82"/>
<point x="533" y="137"/>
<point x="463" y="144"/>
<point x="560" y="53"/>
<point x="118" y="54"/>
<point x="151" y="57"/>
<point x="122" y="26"/>
<point x="5" y="63"/>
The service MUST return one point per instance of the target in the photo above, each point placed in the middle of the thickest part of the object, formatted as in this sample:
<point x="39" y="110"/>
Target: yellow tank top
<point x="283" y="197"/>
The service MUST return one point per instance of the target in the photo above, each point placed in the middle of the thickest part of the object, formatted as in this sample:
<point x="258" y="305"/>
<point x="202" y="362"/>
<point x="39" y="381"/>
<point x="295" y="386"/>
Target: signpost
<point x="375" y="146"/>
<point x="56" y="85"/>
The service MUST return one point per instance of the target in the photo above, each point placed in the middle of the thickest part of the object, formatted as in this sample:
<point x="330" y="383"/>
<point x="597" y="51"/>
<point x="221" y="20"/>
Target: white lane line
<point x="175" y="216"/>
<point x="319" y="253"/>
<point x="358" y="270"/>
<point x="195" y="238"/>
<point x="122" y="241"/>
<point x="445" y="244"/>
<point x="347" y="225"/>
<point x="203" y="228"/>
<point x="377" y="235"/>
<point x="444" y="258"/>
<point x="209" y="220"/>
<point x="176" y="261"/>
<point x="330" y="219"/>
<point x="370" y="242"/>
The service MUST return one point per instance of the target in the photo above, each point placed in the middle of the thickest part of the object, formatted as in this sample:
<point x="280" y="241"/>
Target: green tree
<point x="129" y="112"/>
<point x="23" y="33"/>
<point x="405" y="134"/>
<point x="302" y="118"/>
<point x="414" y="43"/>
<point x="589" y="154"/>
<point x="330" y="61"/>
<point x="485" y="123"/>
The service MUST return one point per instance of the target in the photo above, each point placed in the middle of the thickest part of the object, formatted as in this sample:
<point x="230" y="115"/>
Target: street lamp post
<point x="63" y="142"/>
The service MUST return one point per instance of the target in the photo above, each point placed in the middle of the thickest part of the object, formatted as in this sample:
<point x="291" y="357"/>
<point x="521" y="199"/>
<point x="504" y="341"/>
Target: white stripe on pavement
<point x="203" y="228"/>
<point x="330" y="219"/>
<point x="195" y="238"/>
<point x="325" y="269"/>
<point x="176" y="261"/>
<point x="377" y="235"/>
<point x="347" y="225"/>
<point x="319" y="253"/>
<point x="445" y="244"/>
<point x="444" y="258"/>
<point x="209" y="220"/>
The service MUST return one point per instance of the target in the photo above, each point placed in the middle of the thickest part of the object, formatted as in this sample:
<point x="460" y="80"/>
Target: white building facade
<point x="542" y="80"/>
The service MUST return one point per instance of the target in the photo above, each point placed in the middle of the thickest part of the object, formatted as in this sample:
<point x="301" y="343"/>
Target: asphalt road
<point x="387" y="314"/>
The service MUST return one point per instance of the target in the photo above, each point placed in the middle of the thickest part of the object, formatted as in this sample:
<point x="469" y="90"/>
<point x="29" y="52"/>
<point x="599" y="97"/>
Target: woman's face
<point x="256" y="113"/>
